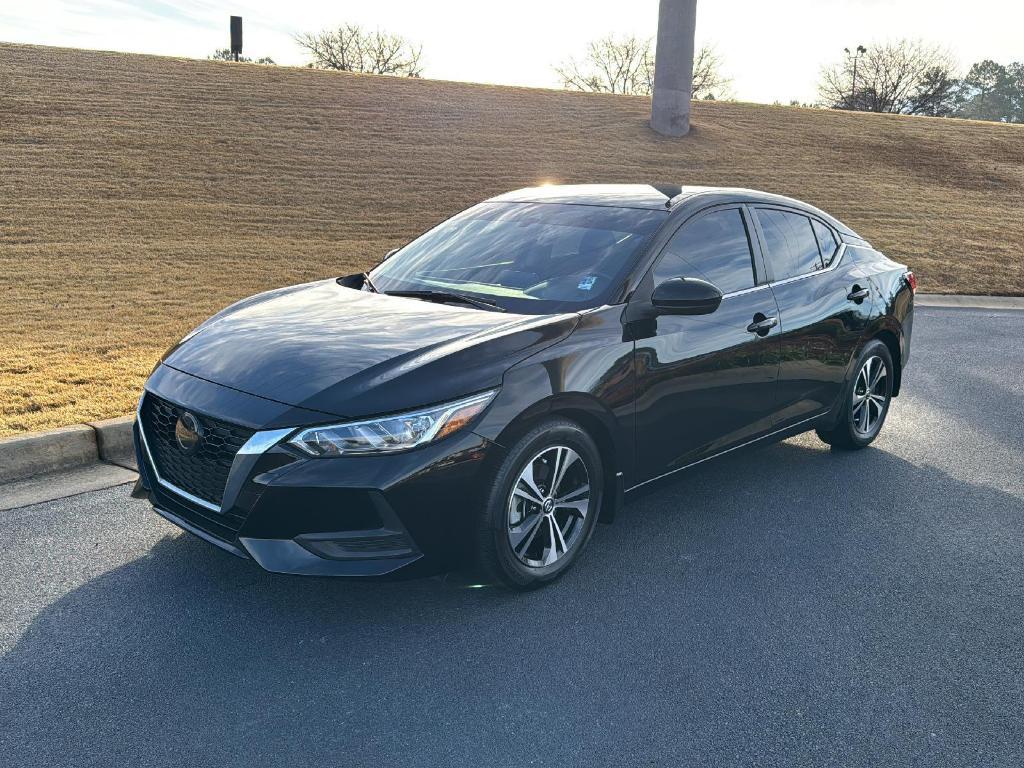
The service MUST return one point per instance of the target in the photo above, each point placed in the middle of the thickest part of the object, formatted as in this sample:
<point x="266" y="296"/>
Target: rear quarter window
<point x="827" y="242"/>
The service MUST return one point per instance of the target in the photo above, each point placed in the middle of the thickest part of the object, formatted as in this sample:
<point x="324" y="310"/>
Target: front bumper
<point x="407" y="513"/>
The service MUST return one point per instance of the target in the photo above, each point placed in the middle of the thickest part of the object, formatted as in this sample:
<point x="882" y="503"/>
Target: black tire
<point x="507" y="503"/>
<point x="849" y="433"/>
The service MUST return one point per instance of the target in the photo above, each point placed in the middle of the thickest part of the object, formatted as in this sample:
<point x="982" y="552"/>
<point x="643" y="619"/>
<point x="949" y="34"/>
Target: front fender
<point x="587" y="376"/>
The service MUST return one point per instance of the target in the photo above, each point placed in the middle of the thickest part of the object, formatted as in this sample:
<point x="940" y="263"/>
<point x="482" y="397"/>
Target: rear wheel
<point x="542" y="506"/>
<point x="866" y="402"/>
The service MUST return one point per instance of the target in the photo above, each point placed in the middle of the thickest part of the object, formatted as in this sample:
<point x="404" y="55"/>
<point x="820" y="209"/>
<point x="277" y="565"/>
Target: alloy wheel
<point x="870" y="395"/>
<point x="548" y="506"/>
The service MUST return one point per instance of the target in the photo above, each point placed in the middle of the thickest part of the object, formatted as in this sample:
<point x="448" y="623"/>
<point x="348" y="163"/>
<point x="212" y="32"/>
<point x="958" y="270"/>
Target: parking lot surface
<point x="782" y="606"/>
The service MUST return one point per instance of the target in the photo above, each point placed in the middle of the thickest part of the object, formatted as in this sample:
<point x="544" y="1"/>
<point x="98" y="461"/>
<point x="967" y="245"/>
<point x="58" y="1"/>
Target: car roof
<point x="649" y="196"/>
<point x="661" y="197"/>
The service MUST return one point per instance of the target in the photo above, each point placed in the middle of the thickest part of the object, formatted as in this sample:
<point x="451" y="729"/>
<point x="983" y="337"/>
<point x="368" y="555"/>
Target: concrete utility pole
<point x="236" y="37"/>
<point x="673" y="67"/>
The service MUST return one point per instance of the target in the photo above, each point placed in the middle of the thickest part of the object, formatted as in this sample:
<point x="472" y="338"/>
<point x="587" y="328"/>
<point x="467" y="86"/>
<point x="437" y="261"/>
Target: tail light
<point x="911" y="281"/>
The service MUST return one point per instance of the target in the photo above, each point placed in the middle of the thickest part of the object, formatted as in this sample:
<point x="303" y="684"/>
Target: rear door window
<point x="791" y="243"/>
<point x="714" y="247"/>
<point x="826" y="242"/>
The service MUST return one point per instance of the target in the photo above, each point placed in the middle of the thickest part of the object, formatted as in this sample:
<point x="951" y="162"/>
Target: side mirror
<point x="686" y="296"/>
<point x="390" y="253"/>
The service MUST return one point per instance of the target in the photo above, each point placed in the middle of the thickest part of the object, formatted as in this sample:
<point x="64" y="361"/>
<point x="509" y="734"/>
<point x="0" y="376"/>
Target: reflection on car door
<point x="705" y="383"/>
<point x="824" y="307"/>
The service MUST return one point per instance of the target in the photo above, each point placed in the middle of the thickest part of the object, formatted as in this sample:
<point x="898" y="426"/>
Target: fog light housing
<point x="379" y="544"/>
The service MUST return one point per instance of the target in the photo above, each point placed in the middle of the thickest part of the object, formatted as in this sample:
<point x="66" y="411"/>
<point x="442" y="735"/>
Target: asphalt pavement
<point x="785" y="606"/>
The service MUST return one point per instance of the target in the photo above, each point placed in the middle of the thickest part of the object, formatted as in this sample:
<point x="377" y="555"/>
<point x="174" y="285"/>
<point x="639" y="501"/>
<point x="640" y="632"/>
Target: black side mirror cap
<point x="352" y="281"/>
<point x="686" y="296"/>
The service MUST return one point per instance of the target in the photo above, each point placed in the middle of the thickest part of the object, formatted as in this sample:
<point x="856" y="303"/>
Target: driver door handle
<point x="762" y="324"/>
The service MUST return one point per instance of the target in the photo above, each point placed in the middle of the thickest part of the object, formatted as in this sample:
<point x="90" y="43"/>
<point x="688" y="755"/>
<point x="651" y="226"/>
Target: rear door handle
<point x="858" y="293"/>
<point x="762" y="324"/>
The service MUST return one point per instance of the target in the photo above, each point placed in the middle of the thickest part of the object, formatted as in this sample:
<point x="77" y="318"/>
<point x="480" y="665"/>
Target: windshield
<point x="531" y="258"/>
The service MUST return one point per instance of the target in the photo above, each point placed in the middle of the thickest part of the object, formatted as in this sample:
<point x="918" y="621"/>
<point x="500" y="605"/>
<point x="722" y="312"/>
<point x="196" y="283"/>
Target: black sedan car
<point x="494" y="388"/>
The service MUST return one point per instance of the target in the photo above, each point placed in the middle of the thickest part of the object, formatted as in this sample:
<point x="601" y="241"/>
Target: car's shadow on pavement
<point x="772" y="605"/>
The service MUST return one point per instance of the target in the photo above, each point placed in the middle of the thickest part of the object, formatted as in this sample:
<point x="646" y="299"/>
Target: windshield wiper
<point x="369" y="283"/>
<point x="443" y="296"/>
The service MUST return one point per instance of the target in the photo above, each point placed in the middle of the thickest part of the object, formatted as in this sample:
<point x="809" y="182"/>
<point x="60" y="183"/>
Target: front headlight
<point x="392" y="433"/>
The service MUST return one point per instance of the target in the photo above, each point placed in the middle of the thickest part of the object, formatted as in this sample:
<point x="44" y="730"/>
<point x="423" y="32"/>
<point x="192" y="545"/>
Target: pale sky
<point x="771" y="50"/>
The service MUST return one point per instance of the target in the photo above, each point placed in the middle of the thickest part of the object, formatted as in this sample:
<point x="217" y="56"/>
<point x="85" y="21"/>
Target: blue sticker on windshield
<point x="587" y="283"/>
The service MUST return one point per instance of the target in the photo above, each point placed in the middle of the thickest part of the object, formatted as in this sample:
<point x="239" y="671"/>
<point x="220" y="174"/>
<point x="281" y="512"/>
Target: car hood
<point x="352" y="353"/>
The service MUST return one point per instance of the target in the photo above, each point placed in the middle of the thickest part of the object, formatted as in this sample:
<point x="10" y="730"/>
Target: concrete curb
<point x="33" y="454"/>
<point x="969" y="302"/>
<point x="114" y="441"/>
<point x="40" y="453"/>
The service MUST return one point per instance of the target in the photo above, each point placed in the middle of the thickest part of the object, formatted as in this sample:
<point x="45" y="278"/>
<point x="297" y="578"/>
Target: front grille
<point x="202" y="473"/>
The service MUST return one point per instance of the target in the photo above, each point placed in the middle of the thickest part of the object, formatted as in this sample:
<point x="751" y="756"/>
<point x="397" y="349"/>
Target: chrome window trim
<point x="260" y="442"/>
<point x="745" y="291"/>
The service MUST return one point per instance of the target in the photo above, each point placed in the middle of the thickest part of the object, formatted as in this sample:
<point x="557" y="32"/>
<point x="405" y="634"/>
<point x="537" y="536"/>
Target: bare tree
<point x="351" y="48"/>
<point x="224" y="54"/>
<point x="626" y="65"/>
<point x="708" y="80"/>
<point x="907" y="77"/>
<point x="611" y="65"/>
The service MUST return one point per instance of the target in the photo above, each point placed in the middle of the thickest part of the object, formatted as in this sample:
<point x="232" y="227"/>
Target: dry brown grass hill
<point x="139" y="194"/>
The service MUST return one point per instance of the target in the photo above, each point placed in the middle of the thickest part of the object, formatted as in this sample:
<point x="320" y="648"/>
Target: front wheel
<point x="542" y="506"/>
<point x="867" y="400"/>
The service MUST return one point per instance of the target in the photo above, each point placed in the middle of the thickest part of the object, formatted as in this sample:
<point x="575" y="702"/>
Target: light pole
<point x="673" y="67"/>
<point x="853" y="88"/>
